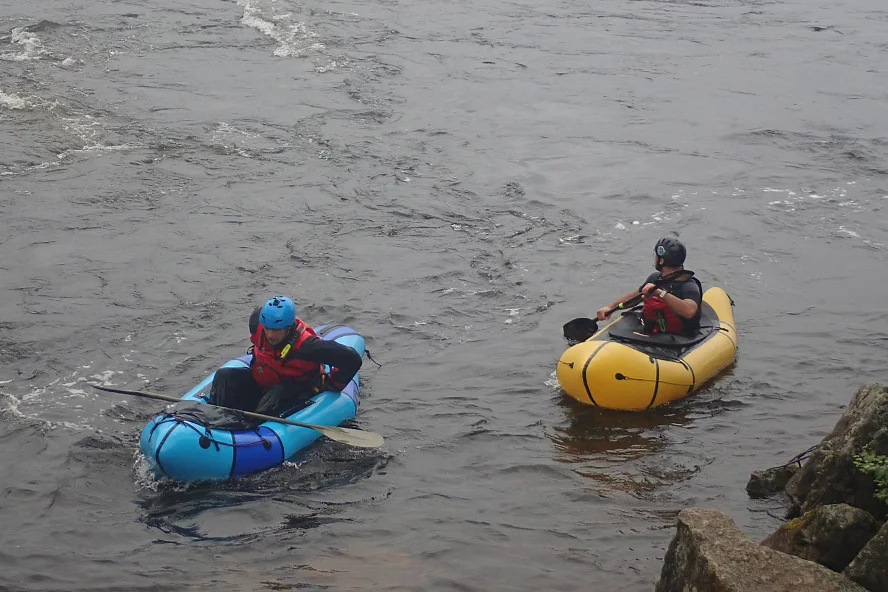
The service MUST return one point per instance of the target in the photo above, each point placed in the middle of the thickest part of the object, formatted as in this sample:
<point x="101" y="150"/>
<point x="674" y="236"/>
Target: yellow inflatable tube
<point x="626" y="375"/>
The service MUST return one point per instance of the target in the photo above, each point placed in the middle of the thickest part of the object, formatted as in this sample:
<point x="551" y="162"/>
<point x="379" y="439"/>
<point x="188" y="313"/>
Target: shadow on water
<point x="637" y="452"/>
<point x="277" y="500"/>
<point x="593" y="431"/>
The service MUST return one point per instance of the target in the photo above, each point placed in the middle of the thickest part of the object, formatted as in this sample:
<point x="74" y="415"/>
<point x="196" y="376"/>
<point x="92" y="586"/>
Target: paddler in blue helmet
<point x="673" y="306"/>
<point x="287" y="367"/>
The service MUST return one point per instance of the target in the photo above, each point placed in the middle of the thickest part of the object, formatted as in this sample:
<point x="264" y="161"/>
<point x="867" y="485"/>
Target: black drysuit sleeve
<point x="343" y="360"/>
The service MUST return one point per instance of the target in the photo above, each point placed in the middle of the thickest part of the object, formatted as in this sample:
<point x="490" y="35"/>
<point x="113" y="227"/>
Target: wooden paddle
<point x="349" y="436"/>
<point x="582" y="328"/>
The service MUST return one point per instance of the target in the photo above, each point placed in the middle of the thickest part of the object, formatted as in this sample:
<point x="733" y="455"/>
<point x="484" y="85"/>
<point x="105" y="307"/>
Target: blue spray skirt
<point x="187" y="451"/>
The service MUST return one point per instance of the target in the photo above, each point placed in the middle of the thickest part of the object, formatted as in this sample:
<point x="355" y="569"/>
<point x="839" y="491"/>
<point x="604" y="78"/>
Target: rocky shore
<point x="836" y="537"/>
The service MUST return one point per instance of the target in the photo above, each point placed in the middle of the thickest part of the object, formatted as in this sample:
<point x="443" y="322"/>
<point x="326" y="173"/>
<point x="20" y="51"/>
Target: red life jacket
<point x="270" y="367"/>
<point x="659" y="317"/>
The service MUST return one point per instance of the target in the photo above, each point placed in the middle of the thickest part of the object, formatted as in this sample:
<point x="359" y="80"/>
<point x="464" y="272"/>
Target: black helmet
<point x="671" y="251"/>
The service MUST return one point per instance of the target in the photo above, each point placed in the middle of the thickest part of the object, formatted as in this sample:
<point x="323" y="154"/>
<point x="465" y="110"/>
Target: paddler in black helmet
<point x="673" y="307"/>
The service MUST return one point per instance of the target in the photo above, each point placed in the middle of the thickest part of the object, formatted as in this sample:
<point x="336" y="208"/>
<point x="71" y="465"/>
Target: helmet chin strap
<point x="289" y="340"/>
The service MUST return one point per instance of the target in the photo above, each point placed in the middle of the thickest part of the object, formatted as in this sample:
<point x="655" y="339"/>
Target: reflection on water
<point x="593" y="431"/>
<point x="275" y="500"/>
<point x="635" y="452"/>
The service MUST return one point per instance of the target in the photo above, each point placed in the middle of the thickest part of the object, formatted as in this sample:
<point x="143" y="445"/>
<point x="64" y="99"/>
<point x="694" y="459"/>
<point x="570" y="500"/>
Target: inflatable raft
<point x="621" y="367"/>
<point x="179" y="445"/>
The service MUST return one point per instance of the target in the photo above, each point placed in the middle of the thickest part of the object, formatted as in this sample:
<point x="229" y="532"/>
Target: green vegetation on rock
<point x="875" y="465"/>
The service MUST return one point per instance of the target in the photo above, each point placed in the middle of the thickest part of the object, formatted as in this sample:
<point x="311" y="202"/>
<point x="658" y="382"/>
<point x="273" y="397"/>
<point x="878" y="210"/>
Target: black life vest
<point x="658" y="316"/>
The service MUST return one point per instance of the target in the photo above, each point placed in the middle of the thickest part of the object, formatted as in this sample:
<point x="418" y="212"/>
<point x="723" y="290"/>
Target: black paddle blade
<point x="580" y="329"/>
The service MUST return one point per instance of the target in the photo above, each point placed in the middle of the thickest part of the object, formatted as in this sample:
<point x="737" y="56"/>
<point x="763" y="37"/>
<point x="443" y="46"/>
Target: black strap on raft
<point x="207" y="438"/>
<point x="620" y="376"/>
<point x="369" y="357"/>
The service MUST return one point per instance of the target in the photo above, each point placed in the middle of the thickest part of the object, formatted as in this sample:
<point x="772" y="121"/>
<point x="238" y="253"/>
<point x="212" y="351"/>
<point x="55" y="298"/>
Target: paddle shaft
<point x="346" y="435"/>
<point x="581" y="329"/>
<point x="681" y="276"/>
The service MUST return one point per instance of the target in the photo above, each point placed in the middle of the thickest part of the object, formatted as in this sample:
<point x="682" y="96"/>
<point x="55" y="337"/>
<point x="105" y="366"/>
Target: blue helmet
<point x="278" y="313"/>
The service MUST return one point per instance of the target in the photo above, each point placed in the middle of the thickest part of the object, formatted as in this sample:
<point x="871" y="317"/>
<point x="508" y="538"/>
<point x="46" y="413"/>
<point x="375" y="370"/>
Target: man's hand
<point x="648" y="290"/>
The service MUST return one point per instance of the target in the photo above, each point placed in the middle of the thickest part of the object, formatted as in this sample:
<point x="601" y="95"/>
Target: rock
<point x="869" y="568"/>
<point x="770" y="481"/>
<point x="829" y="476"/>
<point x="709" y="554"/>
<point x="829" y="535"/>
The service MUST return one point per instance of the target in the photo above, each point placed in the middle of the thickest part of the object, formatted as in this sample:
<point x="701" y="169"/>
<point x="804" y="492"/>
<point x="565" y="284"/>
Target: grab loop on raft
<point x="369" y="357"/>
<point x="207" y="438"/>
<point x="620" y="376"/>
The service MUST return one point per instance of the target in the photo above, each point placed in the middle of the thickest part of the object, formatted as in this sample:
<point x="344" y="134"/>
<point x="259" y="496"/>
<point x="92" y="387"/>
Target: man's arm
<point x="686" y="308"/>
<point x="686" y="302"/>
<point x="343" y="360"/>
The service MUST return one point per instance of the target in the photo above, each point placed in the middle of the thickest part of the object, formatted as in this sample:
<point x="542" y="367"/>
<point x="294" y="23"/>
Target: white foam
<point x="26" y="170"/>
<point x="87" y="129"/>
<point x="76" y="125"/>
<point x="10" y="405"/>
<point x="552" y="382"/>
<point x="332" y="66"/>
<point x="145" y="477"/>
<point x="93" y="148"/>
<point x="104" y="377"/>
<point x="225" y="131"/>
<point x="294" y="39"/>
<point x="12" y="101"/>
<point x="31" y="47"/>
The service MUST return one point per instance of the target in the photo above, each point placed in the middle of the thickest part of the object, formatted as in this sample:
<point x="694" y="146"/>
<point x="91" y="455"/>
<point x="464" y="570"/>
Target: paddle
<point x="582" y="328"/>
<point x="349" y="436"/>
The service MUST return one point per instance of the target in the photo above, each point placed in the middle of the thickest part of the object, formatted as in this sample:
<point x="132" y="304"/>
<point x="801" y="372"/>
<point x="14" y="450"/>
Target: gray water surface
<point x="456" y="180"/>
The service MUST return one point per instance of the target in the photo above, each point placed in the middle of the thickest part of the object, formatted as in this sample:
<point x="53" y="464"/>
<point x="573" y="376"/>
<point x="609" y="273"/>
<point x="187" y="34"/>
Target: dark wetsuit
<point x="690" y="289"/>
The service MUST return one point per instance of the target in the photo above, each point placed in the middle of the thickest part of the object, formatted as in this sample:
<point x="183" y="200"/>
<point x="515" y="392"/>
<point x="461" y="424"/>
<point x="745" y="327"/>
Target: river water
<point x="456" y="180"/>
